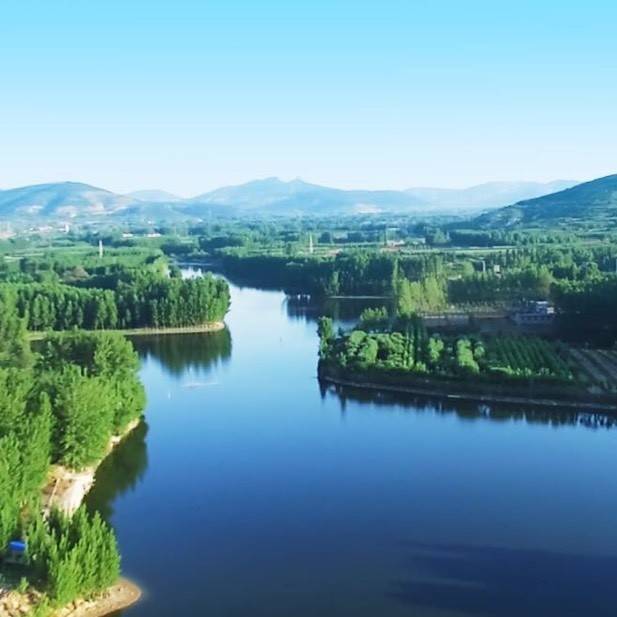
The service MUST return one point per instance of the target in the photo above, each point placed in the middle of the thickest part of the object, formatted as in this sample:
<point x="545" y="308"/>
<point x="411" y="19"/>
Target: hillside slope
<point x="590" y="202"/>
<point x="274" y="196"/>
<point x="489" y="194"/>
<point x="64" y="199"/>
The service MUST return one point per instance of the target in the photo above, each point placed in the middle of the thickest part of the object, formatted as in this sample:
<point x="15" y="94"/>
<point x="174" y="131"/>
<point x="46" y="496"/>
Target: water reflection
<point x="469" y="410"/>
<point x="485" y="581"/>
<point x="180" y="353"/>
<point x="344" y="311"/>
<point x="120" y="472"/>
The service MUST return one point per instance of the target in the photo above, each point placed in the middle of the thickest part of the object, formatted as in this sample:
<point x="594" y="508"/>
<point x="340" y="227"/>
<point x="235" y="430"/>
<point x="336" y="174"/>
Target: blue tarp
<point x="17" y="546"/>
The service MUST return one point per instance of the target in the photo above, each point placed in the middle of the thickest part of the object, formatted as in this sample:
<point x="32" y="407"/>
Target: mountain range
<point x="589" y="202"/>
<point x="67" y="200"/>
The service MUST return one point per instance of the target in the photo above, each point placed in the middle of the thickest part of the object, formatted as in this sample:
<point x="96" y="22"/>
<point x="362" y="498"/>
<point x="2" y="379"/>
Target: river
<point x="250" y="491"/>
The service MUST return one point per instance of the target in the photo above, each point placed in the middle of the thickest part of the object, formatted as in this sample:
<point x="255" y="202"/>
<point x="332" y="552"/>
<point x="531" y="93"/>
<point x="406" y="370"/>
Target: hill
<point x="274" y="196"/>
<point x="593" y="201"/>
<point x="489" y="194"/>
<point x="63" y="199"/>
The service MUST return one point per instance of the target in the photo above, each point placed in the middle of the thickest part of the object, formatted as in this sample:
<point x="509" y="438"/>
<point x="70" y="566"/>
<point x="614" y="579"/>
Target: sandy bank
<point x="66" y="489"/>
<point x="213" y="326"/>
<point x="117" y="597"/>
<point x="121" y="595"/>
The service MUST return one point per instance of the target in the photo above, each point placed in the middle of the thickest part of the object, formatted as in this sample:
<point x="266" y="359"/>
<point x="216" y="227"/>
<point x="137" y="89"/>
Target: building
<point x="534" y="313"/>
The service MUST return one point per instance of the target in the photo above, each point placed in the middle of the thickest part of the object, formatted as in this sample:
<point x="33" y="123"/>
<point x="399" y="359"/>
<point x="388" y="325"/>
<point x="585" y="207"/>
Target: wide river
<point x="249" y="491"/>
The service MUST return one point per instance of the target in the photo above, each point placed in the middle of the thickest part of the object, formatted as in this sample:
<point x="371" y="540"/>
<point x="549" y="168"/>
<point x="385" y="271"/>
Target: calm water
<point x="251" y="492"/>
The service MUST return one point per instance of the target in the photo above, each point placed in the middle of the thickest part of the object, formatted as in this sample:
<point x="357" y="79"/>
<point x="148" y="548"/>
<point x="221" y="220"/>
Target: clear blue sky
<point x="187" y="96"/>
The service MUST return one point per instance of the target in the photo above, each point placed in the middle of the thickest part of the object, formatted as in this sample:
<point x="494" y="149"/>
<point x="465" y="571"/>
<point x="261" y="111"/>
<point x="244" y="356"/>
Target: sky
<point x="187" y="95"/>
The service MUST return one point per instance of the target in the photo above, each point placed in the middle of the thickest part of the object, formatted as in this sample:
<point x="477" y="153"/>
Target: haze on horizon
<point x="189" y="96"/>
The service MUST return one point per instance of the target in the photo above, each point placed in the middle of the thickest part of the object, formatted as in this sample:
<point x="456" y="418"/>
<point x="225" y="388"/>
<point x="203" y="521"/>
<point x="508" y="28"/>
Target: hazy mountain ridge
<point x="154" y="196"/>
<point x="489" y="194"/>
<point x="265" y="196"/>
<point x="272" y="195"/>
<point x="594" y="200"/>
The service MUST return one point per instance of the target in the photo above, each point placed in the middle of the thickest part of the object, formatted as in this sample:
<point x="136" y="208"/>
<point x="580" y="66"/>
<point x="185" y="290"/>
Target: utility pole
<point x="311" y="247"/>
<point x="100" y="249"/>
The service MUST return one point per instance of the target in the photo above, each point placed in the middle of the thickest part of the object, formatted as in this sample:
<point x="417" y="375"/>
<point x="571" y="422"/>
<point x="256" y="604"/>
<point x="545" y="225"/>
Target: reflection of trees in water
<point x="181" y="352"/>
<point x="485" y="580"/>
<point x="562" y="416"/>
<point x="120" y="472"/>
<point x="344" y="310"/>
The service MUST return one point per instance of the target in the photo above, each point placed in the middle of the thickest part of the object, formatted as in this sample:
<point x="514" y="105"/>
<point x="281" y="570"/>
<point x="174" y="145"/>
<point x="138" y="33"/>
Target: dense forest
<point x="132" y="290"/>
<point x="60" y="405"/>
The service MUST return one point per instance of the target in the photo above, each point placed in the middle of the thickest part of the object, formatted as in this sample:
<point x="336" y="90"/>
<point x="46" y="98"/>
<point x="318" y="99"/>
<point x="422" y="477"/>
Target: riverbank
<point x="66" y="489"/>
<point x="440" y="390"/>
<point x="123" y="594"/>
<point x="119" y="596"/>
<point x="213" y="326"/>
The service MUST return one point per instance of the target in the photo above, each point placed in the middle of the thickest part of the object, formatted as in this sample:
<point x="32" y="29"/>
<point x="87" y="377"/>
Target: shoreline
<point x="122" y="594"/>
<point x="66" y="490"/>
<point x="119" y="596"/>
<point x="470" y="396"/>
<point x="212" y="326"/>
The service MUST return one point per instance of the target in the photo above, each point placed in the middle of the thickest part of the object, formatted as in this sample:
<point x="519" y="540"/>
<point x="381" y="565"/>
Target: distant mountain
<point x="274" y="196"/>
<point x="489" y="195"/>
<point x="154" y="196"/>
<point x="267" y="196"/>
<point x="64" y="199"/>
<point x="590" y="201"/>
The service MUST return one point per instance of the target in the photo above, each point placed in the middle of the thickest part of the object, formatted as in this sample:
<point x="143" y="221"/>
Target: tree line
<point x="142" y="301"/>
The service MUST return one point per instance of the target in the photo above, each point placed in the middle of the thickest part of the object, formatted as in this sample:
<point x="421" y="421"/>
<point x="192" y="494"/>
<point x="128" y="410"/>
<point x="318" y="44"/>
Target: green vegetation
<point x="128" y="289"/>
<point x="421" y="268"/>
<point x="60" y="406"/>
<point x="410" y="349"/>
<point x="585" y="205"/>
<point x="75" y="556"/>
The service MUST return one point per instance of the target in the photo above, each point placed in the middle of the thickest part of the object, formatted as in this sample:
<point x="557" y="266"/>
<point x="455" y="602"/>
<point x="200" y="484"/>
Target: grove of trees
<point x="409" y="349"/>
<point x="61" y="405"/>
<point x="127" y="298"/>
